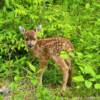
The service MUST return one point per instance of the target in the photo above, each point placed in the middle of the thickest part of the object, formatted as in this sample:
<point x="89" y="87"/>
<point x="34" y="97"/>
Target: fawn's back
<point x="51" y="46"/>
<point x="46" y="47"/>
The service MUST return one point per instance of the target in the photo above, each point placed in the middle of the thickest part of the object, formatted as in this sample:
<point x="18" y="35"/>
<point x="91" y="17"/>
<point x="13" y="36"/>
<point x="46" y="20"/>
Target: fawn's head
<point x="30" y="36"/>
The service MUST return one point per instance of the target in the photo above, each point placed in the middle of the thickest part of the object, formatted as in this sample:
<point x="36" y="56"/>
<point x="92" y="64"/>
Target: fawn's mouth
<point x="30" y="46"/>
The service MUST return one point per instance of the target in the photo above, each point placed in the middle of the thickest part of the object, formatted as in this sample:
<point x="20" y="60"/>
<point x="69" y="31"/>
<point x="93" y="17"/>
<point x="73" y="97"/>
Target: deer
<point x="49" y="48"/>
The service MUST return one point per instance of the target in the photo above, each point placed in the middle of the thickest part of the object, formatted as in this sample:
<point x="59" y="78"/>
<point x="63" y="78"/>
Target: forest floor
<point x="26" y="91"/>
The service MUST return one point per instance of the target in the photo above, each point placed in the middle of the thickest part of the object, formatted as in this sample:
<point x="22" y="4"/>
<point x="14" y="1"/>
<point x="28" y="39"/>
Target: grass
<point x="25" y="90"/>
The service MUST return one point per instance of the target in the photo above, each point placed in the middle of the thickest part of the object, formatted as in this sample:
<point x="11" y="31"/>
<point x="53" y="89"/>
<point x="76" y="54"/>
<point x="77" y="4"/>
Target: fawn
<point x="49" y="48"/>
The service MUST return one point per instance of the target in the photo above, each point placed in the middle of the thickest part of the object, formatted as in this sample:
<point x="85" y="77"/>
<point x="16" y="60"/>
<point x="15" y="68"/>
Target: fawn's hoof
<point x="63" y="88"/>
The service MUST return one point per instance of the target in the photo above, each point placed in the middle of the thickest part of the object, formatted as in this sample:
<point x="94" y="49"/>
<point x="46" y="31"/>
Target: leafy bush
<point x="78" y="20"/>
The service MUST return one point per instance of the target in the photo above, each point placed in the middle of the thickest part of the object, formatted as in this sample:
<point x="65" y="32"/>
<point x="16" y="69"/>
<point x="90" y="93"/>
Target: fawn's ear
<point x="39" y="28"/>
<point x="21" y="29"/>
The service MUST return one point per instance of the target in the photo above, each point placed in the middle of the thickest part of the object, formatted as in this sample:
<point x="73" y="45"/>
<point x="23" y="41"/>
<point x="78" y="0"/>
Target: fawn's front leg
<point x="41" y="71"/>
<point x="64" y="67"/>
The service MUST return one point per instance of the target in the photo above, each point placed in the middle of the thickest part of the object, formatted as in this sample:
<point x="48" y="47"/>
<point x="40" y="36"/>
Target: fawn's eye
<point x="26" y="39"/>
<point x="32" y="38"/>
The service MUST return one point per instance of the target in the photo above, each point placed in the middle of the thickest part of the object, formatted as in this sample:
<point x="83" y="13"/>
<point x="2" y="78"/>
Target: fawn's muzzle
<point x="30" y="45"/>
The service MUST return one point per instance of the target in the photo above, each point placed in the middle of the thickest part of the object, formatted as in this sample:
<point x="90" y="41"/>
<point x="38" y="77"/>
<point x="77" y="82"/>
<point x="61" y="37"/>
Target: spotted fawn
<point x="49" y="48"/>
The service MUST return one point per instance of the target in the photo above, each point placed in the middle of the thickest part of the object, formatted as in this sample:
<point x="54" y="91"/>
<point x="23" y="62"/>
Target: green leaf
<point x="97" y="76"/>
<point x="79" y="54"/>
<point x="88" y="84"/>
<point x="34" y="81"/>
<point x="17" y="78"/>
<point x="7" y="3"/>
<point x="93" y="79"/>
<point x="40" y="34"/>
<point x="89" y="70"/>
<point x="64" y="55"/>
<point x="81" y="69"/>
<point x="87" y="6"/>
<point x="97" y="86"/>
<point x="78" y="78"/>
<point x="31" y="67"/>
<point x="13" y="86"/>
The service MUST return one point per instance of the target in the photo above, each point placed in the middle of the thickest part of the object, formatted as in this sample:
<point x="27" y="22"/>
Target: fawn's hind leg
<point x="65" y="69"/>
<point x="68" y="62"/>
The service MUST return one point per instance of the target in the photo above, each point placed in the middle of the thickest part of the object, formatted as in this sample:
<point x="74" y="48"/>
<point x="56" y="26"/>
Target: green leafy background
<point x="78" y="20"/>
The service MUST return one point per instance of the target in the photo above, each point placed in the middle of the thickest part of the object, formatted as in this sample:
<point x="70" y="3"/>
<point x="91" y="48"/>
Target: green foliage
<point x="78" y="20"/>
<point x="64" y="55"/>
<point x="78" y="78"/>
<point x="43" y="93"/>
<point x="97" y="86"/>
<point x="31" y="67"/>
<point x="88" y="84"/>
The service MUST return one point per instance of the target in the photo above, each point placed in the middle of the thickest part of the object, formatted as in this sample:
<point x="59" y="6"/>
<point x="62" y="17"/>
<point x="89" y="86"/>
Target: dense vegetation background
<point x="78" y="20"/>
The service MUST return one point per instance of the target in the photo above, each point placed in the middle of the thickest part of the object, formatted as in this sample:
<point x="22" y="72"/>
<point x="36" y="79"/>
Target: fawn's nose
<point x="30" y="45"/>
